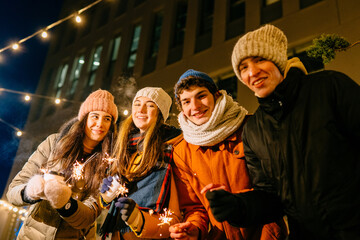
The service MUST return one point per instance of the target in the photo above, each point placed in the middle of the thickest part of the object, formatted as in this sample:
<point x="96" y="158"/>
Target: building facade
<point x="124" y="45"/>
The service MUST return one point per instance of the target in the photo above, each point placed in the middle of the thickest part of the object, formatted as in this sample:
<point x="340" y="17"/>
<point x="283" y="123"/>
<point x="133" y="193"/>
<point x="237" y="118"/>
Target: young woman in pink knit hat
<point x="143" y="153"/>
<point x="64" y="203"/>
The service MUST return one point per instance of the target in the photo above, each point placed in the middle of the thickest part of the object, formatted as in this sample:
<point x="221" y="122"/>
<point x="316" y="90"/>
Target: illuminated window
<point x="75" y="75"/>
<point x="134" y="46"/>
<point x="115" y="45"/>
<point x="60" y="79"/>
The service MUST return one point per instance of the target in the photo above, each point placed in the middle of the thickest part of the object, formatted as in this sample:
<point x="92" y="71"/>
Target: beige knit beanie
<point x="100" y="100"/>
<point x="159" y="97"/>
<point x="268" y="42"/>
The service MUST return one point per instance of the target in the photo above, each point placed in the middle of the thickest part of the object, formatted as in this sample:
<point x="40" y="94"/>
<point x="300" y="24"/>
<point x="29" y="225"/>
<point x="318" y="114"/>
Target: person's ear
<point x="217" y="95"/>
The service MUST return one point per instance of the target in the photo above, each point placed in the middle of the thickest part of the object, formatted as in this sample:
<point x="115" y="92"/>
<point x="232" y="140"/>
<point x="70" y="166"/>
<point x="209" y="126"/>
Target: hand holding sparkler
<point x="112" y="188"/>
<point x="34" y="189"/>
<point x="130" y="213"/>
<point x="184" y="231"/>
<point x="57" y="193"/>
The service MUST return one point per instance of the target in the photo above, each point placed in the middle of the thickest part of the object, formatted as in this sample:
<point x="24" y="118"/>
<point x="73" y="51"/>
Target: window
<point x="134" y="46"/>
<point x="95" y="63"/>
<point x="150" y="61"/>
<point x="205" y="26"/>
<point x="271" y="10"/>
<point x="60" y="79"/>
<point x="122" y="7"/>
<point x="229" y="83"/>
<point x="75" y="75"/>
<point x="104" y="14"/>
<point x="178" y="35"/>
<point x="115" y="43"/>
<point x="235" y="25"/>
<point x="307" y="3"/>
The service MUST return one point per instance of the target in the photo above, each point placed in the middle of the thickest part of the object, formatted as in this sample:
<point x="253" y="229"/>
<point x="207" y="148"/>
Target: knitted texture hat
<point x="100" y="100"/>
<point x="159" y="97"/>
<point x="268" y="42"/>
<point x="194" y="73"/>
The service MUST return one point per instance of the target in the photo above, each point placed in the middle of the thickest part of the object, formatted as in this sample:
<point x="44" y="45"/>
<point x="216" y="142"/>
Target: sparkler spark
<point x="122" y="190"/>
<point x="164" y="218"/>
<point x="44" y="170"/>
<point x="108" y="159"/>
<point x="78" y="170"/>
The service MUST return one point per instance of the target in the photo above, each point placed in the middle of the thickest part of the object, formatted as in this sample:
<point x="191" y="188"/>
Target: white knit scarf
<point x="226" y="118"/>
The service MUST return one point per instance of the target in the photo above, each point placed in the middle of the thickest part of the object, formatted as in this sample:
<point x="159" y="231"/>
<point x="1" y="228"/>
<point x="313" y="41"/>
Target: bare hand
<point x="184" y="231"/>
<point x="212" y="187"/>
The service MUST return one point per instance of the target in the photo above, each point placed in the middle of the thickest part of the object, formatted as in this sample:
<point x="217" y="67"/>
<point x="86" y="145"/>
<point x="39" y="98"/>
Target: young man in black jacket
<point x="300" y="145"/>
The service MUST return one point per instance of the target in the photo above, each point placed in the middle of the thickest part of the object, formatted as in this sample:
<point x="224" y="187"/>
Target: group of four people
<point x="289" y="171"/>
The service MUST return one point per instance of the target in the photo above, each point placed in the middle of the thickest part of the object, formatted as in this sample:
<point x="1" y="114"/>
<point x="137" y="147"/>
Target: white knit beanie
<point x="159" y="97"/>
<point x="268" y="42"/>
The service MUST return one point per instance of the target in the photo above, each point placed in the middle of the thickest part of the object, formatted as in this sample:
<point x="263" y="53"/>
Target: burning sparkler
<point x="78" y="170"/>
<point x="164" y="218"/>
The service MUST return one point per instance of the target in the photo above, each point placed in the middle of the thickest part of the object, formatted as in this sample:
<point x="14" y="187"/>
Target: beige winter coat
<point x="43" y="221"/>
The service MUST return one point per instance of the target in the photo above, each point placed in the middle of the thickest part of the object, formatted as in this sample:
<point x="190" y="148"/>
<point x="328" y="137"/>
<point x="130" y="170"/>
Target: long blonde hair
<point x="152" y="150"/>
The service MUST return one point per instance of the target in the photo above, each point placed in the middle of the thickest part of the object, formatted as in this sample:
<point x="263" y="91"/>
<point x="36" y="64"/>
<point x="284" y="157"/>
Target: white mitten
<point x="57" y="193"/>
<point x="34" y="189"/>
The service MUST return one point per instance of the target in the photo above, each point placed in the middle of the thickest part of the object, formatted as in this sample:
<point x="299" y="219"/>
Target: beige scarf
<point x="226" y="118"/>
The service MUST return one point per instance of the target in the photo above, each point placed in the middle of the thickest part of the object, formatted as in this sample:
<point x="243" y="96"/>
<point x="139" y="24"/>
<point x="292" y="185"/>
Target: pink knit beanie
<point x="100" y="100"/>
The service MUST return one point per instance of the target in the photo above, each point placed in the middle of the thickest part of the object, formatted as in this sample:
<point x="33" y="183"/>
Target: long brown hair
<point x="152" y="149"/>
<point x="69" y="149"/>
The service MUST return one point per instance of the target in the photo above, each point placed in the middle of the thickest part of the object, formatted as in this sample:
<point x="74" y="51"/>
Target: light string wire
<point x="53" y="24"/>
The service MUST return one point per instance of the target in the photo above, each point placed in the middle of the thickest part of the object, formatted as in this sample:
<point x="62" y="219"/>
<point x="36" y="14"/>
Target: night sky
<point x="20" y="70"/>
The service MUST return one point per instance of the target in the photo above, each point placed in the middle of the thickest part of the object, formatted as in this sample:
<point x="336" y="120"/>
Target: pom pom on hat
<point x="159" y="97"/>
<point x="100" y="100"/>
<point x="268" y="42"/>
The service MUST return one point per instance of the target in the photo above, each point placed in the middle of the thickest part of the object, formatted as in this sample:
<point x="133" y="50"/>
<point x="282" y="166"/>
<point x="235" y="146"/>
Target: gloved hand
<point x="225" y="206"/>
<point x="130" y="213"/>
<point x="106" y="184"/>
<point x="34" y="189"/>
<point x="57" y="193"/>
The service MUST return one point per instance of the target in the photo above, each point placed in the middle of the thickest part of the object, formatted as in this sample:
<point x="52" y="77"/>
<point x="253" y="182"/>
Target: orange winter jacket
<point x="224" y="164"/>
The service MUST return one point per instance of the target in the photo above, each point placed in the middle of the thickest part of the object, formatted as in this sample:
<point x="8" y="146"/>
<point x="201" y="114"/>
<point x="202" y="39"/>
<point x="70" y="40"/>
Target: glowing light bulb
<point x="44" y="34"/>
<point x="18" y="133"/>
<point x="57" y="101"/>
<point x="15" y="46"/>
<point x="78" y="19"/>
<point x="27" y="98"/>
<point x="126" y="112"/>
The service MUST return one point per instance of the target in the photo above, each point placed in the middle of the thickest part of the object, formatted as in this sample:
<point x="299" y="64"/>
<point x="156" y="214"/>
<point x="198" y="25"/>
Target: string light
<point x="27" y="97"/>
<point x="126" y="112"/>
<point x="44" y="33"/>
<point x="78" y="19"/>
<point x="15" y="46"/>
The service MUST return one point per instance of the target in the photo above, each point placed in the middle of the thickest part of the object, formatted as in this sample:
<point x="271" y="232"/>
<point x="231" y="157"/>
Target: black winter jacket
<point x="301" y="148"/>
